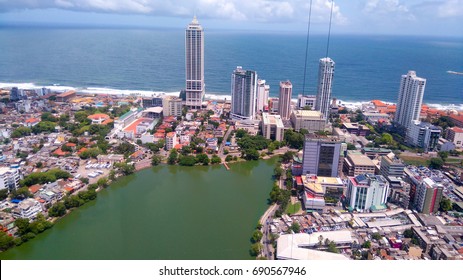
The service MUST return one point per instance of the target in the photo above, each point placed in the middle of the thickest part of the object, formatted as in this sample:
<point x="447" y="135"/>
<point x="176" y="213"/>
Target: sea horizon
<point x="367" y="67"/>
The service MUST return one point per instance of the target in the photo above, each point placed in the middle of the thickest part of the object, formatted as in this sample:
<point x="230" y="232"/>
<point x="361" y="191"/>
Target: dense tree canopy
<point x="44" y="177"/>
<point x="294" y="139"/>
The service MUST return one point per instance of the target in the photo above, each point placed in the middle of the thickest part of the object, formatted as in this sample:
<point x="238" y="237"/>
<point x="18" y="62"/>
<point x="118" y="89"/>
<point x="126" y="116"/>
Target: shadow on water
<point x="244" y="168"/>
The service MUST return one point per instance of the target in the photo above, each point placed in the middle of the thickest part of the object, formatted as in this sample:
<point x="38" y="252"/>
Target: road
<point x="267" y="248"/>
<point x="225" y="137"/>
<point x="265" y="221"/>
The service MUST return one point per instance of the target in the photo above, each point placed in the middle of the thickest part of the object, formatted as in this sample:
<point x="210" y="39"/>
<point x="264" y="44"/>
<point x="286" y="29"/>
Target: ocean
<point x="367" y="67"/>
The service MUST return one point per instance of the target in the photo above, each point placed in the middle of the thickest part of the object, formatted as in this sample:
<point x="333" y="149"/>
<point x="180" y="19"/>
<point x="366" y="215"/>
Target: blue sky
<point x="431" y="17"/>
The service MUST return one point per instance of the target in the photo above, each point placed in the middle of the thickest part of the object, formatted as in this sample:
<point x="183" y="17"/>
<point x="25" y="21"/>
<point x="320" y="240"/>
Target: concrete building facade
<point x="306" y="100"/>
<point x="263" y="91"/>
<point x="172" y="106"/>
<point x="356" y="164"/>
<point x="410" y="98"/>
<point x="367" y="192"/>
<point x="272" y="127"/>
<point x="424" y="135"/>
<point x="312" y="121"/>
<point x="321" y="155"/>
<point x="325" y="80"/>
<point x="9" y="178"/>
<point x="455" y="134"/>
<point x="428" y="196"/>
<point x="391" y="167"/>
<point x="194" y="65"/>
<point x="284" y="105"/>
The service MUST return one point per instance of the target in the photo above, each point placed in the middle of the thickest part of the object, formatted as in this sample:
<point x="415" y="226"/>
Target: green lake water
<point x="167" y="212"/>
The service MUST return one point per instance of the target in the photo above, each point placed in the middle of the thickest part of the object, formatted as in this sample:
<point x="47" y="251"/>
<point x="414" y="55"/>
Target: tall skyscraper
<point x="14" y="94"/>
<point x="322" y="155"/>
<point x="263" y="91"/>
<point x="284" y="105"/>
<point x="243" y="92"/>
<point x="410" y="98"/>
<point x="325" y="79"/>
<point x="194" y="64"/>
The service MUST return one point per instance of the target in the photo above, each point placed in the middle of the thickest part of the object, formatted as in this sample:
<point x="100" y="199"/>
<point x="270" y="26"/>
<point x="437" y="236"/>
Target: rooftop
<point x="98" y="116"/>
<point x="156" y="110"/>
<point x="359" y="159"/>
<point x="272" y="119"/>
<point x="308" y="114"/>
<point x="67" y="93"/>
<point x="456" y="129"/>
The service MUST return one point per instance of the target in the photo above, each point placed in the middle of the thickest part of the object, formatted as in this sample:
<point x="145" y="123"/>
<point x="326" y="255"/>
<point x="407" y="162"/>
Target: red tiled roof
<point x="81" y="150"/>
<point x="60" y="152"/>
<point x="67" y="93"/>
<point x="457" y="129"/>
<point x="32" y="120"/>
<point x="98" y="116"/>
<point x="107" y="121"/>
<point x="34" y="188"/>
<point x="378" y="103"/>
<point x="71" y="144"/>
<point x="133" y="127"/>
<point x="456" y="117"/>
<point x="136" y="154"/>
<point x="178" y="146"/>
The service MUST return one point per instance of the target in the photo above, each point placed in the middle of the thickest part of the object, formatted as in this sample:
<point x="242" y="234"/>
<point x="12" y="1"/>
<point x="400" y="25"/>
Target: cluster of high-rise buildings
<point x="250" y="95"/>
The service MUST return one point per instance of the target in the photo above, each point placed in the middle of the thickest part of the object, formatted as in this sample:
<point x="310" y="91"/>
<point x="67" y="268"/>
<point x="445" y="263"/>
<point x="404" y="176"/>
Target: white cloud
<point x="450" y="8"/>
<point x="391" y="9"/>
<point x="250" y="10"/>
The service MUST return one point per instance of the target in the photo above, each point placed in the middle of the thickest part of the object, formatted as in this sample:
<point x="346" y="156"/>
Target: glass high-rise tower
<point x="325" y="80"/>
<point x="243" y="92"/>
<point x="194" y="64"/>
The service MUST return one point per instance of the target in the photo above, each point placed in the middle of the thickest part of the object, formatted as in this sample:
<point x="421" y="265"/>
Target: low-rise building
<point x="312" y="121"/>
<point x="367" y="192"/>
<point x="306" y="100"/>
<point x="376" y="153"/>
<point x="28" y="208"/>
<point x="444" y="145"/>
<point x="391" y="167"/>
<point x="319" y="190"/>
<point x="172" y="106"/>
<point x="149" y="102"/>
<point x="111" y="158"/>
<point x="455" y="135"/>
<point x="357" y="129"/>
<point x="66" y="96"/>
<point x="32" y="122"/>
<point x="98" y="118"/>
<point x="423" y="135"/>
<point x="374" y="118"/>
<point x="171" y="140"/>
<point x="9" y="178"/>
<point x="356" y="164"/>
<point x="272" y="127"/>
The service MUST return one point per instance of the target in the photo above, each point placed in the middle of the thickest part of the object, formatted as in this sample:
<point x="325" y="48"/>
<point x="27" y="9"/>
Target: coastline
<point x="351" y="104"/>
